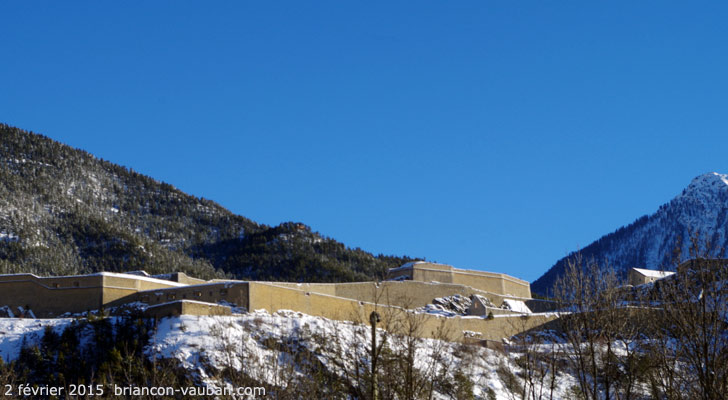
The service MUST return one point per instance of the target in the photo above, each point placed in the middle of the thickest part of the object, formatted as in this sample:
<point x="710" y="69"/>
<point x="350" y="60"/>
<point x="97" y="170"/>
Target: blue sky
<point x="485" y="134"/>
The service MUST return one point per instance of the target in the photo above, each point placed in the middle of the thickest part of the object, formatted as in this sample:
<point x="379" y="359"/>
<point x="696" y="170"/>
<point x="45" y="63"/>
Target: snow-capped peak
<point x="711" y="181"/>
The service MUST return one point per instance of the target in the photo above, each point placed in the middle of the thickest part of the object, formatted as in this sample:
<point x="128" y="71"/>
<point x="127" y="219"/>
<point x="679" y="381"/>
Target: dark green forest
<point x="64" y="211"/>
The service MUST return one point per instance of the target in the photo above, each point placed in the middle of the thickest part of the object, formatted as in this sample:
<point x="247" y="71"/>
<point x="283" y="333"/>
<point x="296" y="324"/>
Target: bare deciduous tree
<point x="690" y="347"/>
<point x="601" y="325"/>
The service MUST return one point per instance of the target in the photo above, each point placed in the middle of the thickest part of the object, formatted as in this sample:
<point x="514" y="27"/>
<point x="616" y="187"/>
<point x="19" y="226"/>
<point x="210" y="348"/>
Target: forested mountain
<point x="649" y="242"/>
<point x="63" y="211"/>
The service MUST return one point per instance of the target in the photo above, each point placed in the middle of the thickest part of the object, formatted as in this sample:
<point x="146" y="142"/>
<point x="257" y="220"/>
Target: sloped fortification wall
<point x="273" y="297"/>
<point x="231" y="292"/>
<point x="185" y="307"/>
<point x="348" y="302"/>
<point x="51" y="297"/>
<point x="117" y="286"/>
<point x="493" y="282"/>
<point x="407" y="294"/>
<point x="321" y="288"/>
<point x="496" y="283"/>
<point x="181" y="277"/>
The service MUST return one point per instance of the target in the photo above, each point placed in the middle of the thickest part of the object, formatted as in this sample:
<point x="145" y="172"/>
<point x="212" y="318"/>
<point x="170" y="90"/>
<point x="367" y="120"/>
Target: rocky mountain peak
<point x="709" y="184"/>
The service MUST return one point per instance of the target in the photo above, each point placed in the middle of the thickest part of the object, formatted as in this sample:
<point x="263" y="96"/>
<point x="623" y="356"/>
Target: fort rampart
<point x="416" y="286"/>
<point x="491" y="282"/>
<point x="272" y="298"/>
<point x="54" y="296"/>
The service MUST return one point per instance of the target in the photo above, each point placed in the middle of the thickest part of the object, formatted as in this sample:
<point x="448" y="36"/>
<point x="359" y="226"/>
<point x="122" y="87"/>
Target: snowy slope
<point x="14" y="330"/>
<point x="649" y="241"/>
<point x="206" y="345"/>
<point x="243" y="341"/>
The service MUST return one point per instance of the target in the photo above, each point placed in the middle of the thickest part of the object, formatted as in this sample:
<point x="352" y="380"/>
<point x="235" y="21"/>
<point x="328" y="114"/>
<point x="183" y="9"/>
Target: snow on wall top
<point x="408" y="265"/>
<point x="653" y="273"/>
<point x="110" y="274"/>
<point x="516" y="305"/>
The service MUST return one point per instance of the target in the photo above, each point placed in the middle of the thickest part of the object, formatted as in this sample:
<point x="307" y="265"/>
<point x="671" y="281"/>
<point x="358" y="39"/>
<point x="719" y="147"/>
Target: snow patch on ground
<point x="10" y="237"/>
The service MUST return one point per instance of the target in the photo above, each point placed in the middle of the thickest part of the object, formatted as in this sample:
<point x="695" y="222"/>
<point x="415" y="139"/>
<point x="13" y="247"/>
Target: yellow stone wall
<point x="232" y="292"/>
<point x="273" y="298"/>
<point x="408" y="294"/>
<point x="181" y="277"/>
<point x="185" y="307"/>
<point x="496" y="283"/>
<point x="53" y="296"/>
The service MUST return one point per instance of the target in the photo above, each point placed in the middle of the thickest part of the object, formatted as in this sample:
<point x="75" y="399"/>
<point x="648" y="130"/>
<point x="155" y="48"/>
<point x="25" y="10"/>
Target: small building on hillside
<point x="640" y="276"/>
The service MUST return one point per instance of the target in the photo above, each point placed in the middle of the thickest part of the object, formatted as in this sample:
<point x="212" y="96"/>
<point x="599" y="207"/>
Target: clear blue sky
<point x="491" y="135"/>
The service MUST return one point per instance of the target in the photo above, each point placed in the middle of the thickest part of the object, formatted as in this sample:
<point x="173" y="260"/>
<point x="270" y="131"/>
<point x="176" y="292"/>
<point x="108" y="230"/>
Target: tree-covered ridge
<point x="651" y="240"/>
<point x="63" y="211"/>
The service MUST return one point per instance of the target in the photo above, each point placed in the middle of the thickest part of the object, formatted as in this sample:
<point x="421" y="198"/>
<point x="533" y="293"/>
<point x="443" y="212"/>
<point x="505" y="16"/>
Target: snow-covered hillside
<point x="278" y="350"/>
<point x="244" y="342"/>
<point x="649" y="241"/>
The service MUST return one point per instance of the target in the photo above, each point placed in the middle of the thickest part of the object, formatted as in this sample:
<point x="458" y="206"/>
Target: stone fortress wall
<point x="54" y="296"/>
<point x="487" y="281"/>
<point x="273" y="297"/>
<point x="415" y="285"/>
